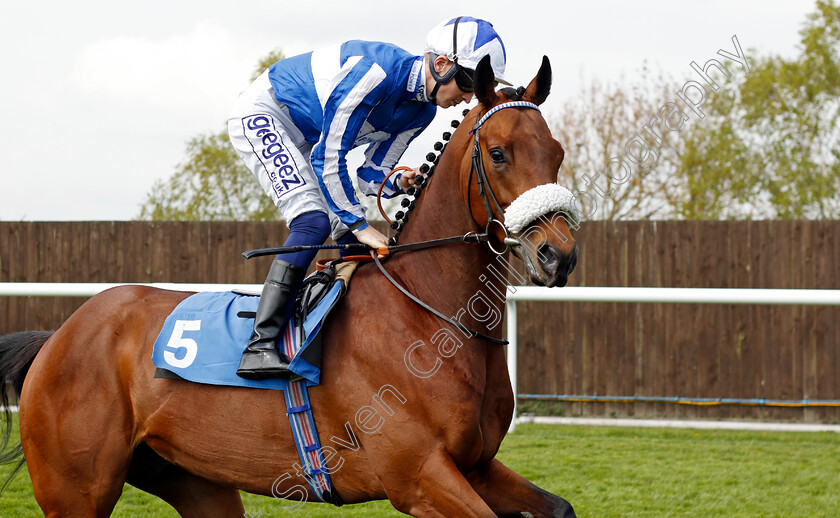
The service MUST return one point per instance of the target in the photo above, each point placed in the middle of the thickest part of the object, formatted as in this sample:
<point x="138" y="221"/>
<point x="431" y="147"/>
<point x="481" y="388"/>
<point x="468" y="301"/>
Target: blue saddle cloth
<point x="202" y="341"/>
<point x="203" y="338"/>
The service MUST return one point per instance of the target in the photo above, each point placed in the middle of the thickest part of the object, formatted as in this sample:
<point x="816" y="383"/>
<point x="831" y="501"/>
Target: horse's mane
<point x="512" y="94"/>
<point x="414" y="192"/>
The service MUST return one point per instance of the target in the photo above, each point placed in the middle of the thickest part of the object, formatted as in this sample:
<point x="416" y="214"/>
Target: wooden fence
<point x="692" y="351"/>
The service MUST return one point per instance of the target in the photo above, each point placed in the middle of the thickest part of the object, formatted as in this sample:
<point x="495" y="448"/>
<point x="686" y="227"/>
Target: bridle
<point x="484" y="189"/>
<point x="487" y="194"/>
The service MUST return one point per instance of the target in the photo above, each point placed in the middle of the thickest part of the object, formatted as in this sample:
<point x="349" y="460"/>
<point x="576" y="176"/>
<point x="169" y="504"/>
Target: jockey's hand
<point x="407" y="179"/>
<point x="372" y="237"/>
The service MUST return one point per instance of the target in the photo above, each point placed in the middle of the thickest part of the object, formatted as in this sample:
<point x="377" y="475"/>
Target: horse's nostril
<point x="552" y="260"/>
<point x="549" y="258"/>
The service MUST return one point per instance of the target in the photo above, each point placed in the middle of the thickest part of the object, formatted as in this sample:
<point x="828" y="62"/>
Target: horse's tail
<point x="17" y="351"/>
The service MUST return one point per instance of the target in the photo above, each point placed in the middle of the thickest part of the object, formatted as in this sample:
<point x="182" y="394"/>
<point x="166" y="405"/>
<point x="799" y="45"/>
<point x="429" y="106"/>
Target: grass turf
<point x="607" y="472"/>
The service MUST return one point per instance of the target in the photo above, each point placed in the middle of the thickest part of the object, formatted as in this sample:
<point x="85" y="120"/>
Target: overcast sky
<point x="99" y="97"/>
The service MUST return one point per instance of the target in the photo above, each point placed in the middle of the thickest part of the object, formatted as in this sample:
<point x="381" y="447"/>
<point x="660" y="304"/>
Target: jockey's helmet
<point x="465" y="41"/>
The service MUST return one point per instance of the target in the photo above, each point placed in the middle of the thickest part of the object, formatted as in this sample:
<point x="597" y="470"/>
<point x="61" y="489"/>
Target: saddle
<point x="313" y="290"/>
<point x="317" y="285"/>
<point x="202" y="339"/>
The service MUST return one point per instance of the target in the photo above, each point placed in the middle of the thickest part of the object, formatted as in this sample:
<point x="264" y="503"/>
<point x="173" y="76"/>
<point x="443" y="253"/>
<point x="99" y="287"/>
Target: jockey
<point x="294" y="125"/>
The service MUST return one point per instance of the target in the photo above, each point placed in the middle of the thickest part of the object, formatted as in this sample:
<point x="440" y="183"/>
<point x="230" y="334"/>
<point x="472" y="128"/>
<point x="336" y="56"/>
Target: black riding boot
<point x="261" y="358"/>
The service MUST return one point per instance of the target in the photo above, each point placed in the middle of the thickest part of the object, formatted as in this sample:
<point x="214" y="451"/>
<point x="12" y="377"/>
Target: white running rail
<point x="651" y="295"/>
<point x="515" y="294"/>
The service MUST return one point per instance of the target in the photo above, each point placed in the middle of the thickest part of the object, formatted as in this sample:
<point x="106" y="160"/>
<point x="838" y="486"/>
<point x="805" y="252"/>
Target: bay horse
<point x="413" y="410"/>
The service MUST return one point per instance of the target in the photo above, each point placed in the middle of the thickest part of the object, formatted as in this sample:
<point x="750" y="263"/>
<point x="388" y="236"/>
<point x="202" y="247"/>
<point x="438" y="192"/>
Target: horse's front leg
<point x="510" y="494"/>
<point x="434" y="489"/>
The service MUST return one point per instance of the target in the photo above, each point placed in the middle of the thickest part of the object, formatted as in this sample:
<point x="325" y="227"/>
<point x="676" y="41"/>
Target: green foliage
<point x="212" y="184"/>
<point x="596" y="126"/>
<point x="269" y="59"/>
<point x="541" y="407"/>
<point x="769" y="147"/>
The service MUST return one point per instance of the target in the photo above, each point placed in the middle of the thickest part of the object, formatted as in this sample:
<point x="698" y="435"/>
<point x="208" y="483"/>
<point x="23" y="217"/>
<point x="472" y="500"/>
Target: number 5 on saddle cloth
<point x="202" y="339"/>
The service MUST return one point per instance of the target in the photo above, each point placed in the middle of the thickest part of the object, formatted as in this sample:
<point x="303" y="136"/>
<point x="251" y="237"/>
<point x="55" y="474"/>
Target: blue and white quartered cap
<point x="475" y="39"/>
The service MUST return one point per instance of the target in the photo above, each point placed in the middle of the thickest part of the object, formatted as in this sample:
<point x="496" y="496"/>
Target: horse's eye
<point x="497" y="155"/>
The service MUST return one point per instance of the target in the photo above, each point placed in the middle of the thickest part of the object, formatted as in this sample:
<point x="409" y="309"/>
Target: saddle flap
<point x="345" y="270"/>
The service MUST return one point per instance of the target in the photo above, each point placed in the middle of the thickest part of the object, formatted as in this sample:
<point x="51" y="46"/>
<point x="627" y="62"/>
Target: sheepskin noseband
<point x="539" y="201"/>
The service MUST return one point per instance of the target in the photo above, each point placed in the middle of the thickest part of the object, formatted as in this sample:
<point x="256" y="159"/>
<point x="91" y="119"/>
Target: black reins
<point x="466" y="330"/>
<point x="484" y="189"/>
<point x="472" y="237"/>
<point x="487" y="194"/>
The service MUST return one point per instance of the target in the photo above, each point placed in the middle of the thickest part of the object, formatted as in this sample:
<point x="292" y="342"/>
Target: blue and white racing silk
<point x="349" y="95"/>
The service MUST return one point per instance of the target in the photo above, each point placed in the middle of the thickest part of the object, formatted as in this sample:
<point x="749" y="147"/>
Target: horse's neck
<point x="459" y="271"/>
<point x="441" y="209"/>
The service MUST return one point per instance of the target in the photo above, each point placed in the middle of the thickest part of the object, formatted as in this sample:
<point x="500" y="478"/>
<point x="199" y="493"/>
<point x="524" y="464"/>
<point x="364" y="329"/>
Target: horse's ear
<point x="540" y="86"/>
<point x="485" y="82"/>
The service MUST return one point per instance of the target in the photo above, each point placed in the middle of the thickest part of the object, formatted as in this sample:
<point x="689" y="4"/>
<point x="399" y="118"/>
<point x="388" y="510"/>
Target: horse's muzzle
<point x="555" y="265"/>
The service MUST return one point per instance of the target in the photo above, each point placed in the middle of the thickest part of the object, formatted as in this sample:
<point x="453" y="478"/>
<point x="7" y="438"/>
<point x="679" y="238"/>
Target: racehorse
<point x="415" y="409"/>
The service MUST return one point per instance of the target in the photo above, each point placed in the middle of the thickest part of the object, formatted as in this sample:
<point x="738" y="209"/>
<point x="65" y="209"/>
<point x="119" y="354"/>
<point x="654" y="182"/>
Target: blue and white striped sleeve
<point x="349" y="103"/>
<point x="380" y="159"/>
